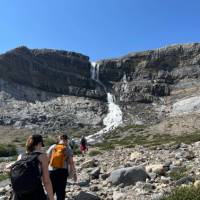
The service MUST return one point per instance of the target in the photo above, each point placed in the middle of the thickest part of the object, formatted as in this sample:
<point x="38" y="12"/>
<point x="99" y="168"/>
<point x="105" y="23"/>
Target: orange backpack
<point x="58" y="156"/>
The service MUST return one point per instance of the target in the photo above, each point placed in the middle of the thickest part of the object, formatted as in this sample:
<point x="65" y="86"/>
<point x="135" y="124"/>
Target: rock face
<point x="54" y="71"/>
<point x="147" y="84"/>
<point x="38" y="89"/>
<point x="52" y="88"/>
<point x="151" y="72"/>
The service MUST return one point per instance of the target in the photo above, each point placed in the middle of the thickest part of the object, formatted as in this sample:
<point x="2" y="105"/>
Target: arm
<point x="19" y="157"/>
<point x="49" y="152"/>
<point x="72" y="167"/>
<point x="45" y="176"/>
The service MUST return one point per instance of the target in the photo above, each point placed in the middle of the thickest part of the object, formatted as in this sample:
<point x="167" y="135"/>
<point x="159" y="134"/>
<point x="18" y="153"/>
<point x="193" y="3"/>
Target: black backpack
<point x="83" y="141"/>
<point x="25" y="174"/>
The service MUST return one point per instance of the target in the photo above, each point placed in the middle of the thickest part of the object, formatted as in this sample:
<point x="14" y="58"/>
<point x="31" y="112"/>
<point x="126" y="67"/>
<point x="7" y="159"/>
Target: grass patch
<point x="49" y="141"/>
<point x="94" y="152"/>
<point x="19" y="140"/>
<point x="7" y="150"/>
<point x="184" y="193"/>
<point x="4" y="176"/>
<point x="76" y="150"/>
<point x="106" y="146"/>
<point x="180" y="173"/>
<point x="121" y="129"/>
<point x="145" y="140"/>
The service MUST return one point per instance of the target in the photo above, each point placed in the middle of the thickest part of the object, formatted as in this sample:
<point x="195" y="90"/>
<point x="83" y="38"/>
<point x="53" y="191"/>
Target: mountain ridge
<point x="145" y="85"/>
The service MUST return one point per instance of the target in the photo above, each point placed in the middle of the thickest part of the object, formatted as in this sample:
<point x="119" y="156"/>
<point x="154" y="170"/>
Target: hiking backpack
<point x="25" y="175"/>
<point x="58" y="156"/>
<point x="83" y="141"/>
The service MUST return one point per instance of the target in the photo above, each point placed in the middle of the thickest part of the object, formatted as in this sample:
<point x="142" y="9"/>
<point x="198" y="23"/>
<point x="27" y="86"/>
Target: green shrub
<point x="49" y="141"/>
<point x="180" y="173"/>
<point x="94" y="152"/>
<point x="76" y="150"/>
<point x="4" y="176"/>
<point x="184" y="193"/>
<point x="106" y="146"/>
<point x="7" y="150"/>
<point x="148" y="140"/>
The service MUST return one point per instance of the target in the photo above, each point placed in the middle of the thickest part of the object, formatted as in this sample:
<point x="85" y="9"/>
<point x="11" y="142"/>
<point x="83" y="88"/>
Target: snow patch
<point x="185" y="106"/>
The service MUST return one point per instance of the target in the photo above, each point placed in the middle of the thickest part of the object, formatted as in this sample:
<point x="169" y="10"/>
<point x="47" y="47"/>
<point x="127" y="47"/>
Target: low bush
<point x="4" y="176"/>
<point x="94" y="152"/>
<point x="180" y="173"/>
<point x="49" y="141"/>
<point x="7" y="150"/>
<point x="76" y="150"/>
<point x="184" y="193"/>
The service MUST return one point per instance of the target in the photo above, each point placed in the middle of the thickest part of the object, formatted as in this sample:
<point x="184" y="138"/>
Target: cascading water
<point x="114" y="116"/>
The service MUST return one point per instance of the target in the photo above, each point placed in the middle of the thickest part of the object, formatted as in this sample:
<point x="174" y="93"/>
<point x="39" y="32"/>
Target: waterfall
<point x="93" y="71"/>
<point x="114" y="116"/>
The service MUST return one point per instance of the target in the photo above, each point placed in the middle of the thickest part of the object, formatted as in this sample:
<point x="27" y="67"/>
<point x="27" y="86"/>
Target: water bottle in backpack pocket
<point x="25" y="174"/>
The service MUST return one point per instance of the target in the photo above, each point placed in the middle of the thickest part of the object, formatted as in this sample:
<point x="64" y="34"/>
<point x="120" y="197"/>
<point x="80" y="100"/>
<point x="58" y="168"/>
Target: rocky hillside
<point x="139" y="173"/>
<point x="53" y="89"/>
<point x="149" y="85"/>
<point x="38" y="89"/>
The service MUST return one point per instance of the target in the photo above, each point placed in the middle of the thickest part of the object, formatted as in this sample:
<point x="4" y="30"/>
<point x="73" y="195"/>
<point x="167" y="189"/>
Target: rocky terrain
<point x="139" y="173"/>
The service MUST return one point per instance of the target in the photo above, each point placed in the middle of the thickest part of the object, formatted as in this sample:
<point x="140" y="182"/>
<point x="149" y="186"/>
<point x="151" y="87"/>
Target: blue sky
<point x="98" y="28"/>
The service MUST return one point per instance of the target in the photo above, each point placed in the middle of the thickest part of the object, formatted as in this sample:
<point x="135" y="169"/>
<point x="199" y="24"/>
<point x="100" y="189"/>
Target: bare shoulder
<point x="42" y="157"/>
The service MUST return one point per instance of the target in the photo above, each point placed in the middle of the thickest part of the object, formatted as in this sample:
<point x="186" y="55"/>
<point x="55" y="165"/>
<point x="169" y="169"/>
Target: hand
<point x="75" y="177"/>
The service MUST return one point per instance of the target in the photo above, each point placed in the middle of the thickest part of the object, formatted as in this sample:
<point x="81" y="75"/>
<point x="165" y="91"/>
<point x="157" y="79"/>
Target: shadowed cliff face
<point x="50" y="88"/>
<point x="52" y="71"/>
<point x="144" y="76"/>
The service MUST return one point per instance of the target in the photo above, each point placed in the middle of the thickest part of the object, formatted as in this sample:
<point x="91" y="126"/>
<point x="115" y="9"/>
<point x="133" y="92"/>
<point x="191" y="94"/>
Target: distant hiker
<point x="83" y="145"/>
<point x="60" y="156"/>
<point x="72" y="144"/>
<point x="30" y="171"/>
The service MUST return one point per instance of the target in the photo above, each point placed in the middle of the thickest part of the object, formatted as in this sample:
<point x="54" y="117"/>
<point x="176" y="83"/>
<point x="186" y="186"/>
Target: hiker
<point x="30" y="172"/>
<point x="60" y="156"/>
<point x="83" y="145"/>
<point x="72" y="144"/>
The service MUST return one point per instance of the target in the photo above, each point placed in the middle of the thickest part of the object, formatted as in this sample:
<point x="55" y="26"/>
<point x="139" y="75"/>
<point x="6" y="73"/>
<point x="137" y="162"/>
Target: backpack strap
<point x="31" y="155"/>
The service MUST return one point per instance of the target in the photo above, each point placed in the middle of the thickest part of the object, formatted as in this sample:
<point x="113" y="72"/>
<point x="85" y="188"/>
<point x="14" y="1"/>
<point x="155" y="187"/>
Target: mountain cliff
<point x="54" y="89"/>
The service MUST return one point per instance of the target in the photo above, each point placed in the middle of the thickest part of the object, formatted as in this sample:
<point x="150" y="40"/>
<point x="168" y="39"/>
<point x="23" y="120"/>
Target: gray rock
<point x="105" y="176"/>
<point x="185" y="180"/>
<point x="118" y="196"/>
<point x="128" y="176"/>
<point x="84" y="183"/>
<point x="94" y="188"/>
<point x="95" y="173"/>
<point x="86" y="196"/>
<point x="148" y="187"/>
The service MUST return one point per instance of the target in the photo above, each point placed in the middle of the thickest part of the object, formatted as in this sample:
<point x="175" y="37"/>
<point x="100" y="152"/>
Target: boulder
<point x="128" y="176"/>
<point x="135" y="155"/>
<point x="157" y="168"/>
<point x="197" y="183"/>
<point x="86" y="196"/>
<point x="118" y="195"/>
<point x="95" y="173"/>
<point x="89" y="163"/>
<point x="185" y="180"/>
